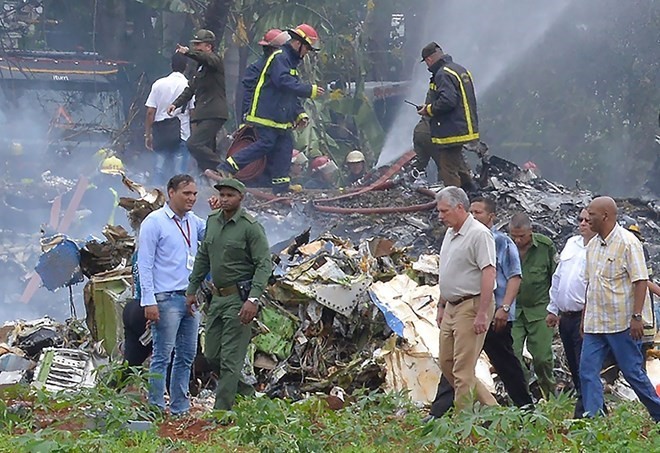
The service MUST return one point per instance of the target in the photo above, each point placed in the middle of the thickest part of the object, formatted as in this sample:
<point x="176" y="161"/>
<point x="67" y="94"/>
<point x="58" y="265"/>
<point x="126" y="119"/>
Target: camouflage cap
<point x="430" y="49"/>
<point x="203" y="36"/>
<point x="230" y="182"/>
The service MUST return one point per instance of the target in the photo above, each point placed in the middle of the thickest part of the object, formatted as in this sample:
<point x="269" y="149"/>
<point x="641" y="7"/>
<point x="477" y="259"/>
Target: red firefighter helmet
<point x="298" y="158"/>
<point x="270" y="36"/>
<point x="323" y="164"/>
<point x="306" y="34"/>
<point x="318" y="162"/>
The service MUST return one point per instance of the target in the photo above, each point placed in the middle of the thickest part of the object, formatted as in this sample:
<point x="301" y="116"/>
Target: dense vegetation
<point x="95" y="419"/>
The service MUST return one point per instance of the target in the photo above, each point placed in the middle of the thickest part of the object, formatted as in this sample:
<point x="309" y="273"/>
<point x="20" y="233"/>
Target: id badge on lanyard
<point x="190" y="258"/>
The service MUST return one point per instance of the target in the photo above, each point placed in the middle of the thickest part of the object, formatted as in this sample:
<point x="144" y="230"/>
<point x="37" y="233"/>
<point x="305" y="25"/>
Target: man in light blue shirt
<point x="166" y="253"/>
<point x="499" y="342"/>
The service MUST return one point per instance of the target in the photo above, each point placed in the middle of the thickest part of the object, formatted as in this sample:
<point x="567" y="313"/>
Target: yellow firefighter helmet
<point x="112" y="166"/>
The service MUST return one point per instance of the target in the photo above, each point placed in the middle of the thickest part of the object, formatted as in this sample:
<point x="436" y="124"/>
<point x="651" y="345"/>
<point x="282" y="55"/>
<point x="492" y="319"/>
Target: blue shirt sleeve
<point x="148" y="240"/>
<point x="511" y="265"/>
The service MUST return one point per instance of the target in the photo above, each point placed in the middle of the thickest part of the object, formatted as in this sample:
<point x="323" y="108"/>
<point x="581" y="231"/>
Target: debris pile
<point x="56" y="356"/>
<point x="318" y="329"/>
<point x="377" y="210"/>
<point x="353" y="307"/>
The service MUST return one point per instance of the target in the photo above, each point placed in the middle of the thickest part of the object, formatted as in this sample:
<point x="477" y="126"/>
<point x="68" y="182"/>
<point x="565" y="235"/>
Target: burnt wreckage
<point x="353" y="296"/>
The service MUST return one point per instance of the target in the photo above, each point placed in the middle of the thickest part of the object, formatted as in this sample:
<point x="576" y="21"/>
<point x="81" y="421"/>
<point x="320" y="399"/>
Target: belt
<point x="571" y="314"/>
<point x="227" y="291"/>
<point x="181" y="292"/>
<point x="462" y="299"/>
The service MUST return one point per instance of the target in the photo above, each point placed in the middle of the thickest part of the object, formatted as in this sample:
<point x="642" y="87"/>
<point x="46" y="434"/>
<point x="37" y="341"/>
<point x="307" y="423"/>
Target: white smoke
<point x="486" y="37"/>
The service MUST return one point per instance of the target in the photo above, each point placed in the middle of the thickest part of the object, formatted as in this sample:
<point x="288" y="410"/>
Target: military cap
<point x="430" y="49"/>
<point x="230" y="182"/>
<point x="203" y="36"/>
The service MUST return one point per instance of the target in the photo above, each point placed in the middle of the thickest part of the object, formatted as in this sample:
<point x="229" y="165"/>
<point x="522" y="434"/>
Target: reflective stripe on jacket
<point x="452" y="104"/>
<point x="276" y="96"/>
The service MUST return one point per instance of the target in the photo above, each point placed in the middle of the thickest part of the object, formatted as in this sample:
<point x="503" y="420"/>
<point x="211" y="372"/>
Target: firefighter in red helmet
<point x="275" y="109"/>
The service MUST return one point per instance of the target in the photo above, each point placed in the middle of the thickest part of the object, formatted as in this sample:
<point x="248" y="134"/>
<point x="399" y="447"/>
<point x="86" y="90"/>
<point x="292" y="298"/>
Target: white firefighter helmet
<point x="355" y="156"/>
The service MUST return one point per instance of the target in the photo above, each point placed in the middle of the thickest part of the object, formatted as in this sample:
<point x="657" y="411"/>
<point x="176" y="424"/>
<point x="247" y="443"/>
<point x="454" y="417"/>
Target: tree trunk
<point x="243" y="54"/>
<point x="110" y="33"/>
<point x="215" y="18"/>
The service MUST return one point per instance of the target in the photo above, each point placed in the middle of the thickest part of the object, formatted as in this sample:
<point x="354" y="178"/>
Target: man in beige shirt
<point x="467" y="281"/>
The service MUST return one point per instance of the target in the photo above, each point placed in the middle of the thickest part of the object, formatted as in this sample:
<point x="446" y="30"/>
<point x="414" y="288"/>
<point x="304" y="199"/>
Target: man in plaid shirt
<point x="616" y="277"/>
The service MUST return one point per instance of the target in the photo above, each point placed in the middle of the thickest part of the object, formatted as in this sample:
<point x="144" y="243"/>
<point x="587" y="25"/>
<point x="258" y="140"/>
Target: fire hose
<point x="382" y="183"/>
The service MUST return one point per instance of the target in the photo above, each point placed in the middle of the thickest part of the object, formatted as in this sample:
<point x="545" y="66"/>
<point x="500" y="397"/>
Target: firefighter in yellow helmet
<point x="112" y="166"/>
<point x="102" y="195"/>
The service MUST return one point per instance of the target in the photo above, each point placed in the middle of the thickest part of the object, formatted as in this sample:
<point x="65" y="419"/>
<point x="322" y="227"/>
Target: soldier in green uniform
<point x="208" y="87"/>
<point x="235" y="250"/>
<point x="538" y="257"/>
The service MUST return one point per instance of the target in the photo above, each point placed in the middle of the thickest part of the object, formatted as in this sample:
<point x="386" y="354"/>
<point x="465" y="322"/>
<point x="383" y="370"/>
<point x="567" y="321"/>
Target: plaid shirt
<point x="613" y="265"/>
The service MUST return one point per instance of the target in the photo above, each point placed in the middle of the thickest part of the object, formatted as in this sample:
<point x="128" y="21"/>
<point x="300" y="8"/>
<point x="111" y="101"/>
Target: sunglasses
<point x="583" y="219"/>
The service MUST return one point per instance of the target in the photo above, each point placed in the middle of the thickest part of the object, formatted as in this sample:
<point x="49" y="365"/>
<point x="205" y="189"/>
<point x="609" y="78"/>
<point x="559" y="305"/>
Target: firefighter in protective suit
<point x="276" y="109"/>
<point x="272" y="40"/>
<point x="451" y="112"/>
<point x="356" y="165"/>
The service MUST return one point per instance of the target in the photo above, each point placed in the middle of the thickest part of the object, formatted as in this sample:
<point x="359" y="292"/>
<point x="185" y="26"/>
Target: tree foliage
<point x="584" y="103"/>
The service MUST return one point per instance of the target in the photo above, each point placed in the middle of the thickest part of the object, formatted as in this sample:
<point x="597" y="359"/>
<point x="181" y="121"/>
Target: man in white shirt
<point x="567" y="300"/>
<point x="170" y="148"/>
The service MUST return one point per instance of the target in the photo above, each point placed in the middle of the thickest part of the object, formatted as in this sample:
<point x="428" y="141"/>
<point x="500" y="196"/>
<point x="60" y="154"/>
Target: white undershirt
<point x="163" y="93"/>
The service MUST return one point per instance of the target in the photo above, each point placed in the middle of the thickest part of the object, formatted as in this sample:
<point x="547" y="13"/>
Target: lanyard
<point x="186" y="238"/>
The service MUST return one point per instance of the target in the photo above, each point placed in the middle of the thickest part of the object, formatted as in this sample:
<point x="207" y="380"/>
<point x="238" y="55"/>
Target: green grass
<point x="93" y="420"/>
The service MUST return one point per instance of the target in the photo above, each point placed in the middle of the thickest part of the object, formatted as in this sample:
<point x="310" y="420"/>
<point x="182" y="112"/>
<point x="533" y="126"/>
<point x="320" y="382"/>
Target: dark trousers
<point x="134" y="326"/>
<point x="201" y="143"/>
<point x="424" y="148"/>
<point x="277" y="146"/>
<point x="453" y="168"/>
<point x="499" y="348"/>
<point x="569" y="332"/>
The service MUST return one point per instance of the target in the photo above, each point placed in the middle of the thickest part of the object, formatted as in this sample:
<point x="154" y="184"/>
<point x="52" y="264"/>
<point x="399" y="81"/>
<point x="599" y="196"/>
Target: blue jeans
<point x="628" y="355"/>
<point x="170" y="162"/>
<point x="176" y="330"/>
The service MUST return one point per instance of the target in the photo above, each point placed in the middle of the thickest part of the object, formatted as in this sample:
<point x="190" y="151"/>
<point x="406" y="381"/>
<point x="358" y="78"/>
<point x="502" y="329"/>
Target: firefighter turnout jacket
<point x="275" y="102"/>
<point x="451" y="104"/>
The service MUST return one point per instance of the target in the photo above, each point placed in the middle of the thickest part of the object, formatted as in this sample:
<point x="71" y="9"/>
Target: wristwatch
<point x="637" y="316"/>
<point x="506" y="308"/>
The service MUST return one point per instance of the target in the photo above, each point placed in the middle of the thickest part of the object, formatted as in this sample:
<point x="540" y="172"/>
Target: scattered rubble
<point x="354" y="290"/>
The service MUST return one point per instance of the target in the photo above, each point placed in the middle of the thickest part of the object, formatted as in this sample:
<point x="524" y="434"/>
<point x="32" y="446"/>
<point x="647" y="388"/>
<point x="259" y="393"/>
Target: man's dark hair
<point x="520" y="220"/>
<point x="489" y="204"/>
<point x="177" y="180"/>
<point x="179" y="62"/>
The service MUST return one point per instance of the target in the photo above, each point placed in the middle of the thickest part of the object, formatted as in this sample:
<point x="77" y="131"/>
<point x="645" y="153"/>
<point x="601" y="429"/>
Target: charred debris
<point x="353" y="296"/>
